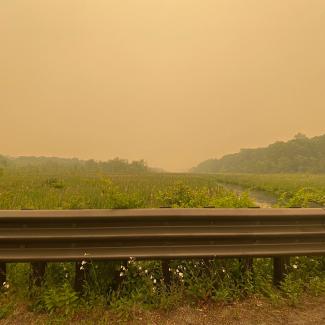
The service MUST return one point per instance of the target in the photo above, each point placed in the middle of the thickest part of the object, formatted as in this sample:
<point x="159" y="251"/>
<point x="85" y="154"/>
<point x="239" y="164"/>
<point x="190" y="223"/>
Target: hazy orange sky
<point x="171" y="81"/>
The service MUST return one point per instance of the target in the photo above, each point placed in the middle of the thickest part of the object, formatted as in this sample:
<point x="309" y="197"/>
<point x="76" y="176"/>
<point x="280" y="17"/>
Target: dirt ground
<point x="251" y="311"/>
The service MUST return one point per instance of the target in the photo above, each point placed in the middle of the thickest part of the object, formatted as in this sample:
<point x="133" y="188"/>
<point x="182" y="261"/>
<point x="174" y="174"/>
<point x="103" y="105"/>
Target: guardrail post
<point x="207" y="263"/>
<point x="280" y="265"/>
<point x="246" y="269"/>
<point x="3" y="274"/>
<point x="38" y="272"/>
<point x="165" y="265"/>
<point x="246" y="264"/>
<point x="80" y="276"/>
<point x="119" y="278"/>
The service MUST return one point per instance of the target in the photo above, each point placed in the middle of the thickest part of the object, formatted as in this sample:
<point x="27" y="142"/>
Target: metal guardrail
<point x="60" y="235"/>
<point x="74" y="235"/>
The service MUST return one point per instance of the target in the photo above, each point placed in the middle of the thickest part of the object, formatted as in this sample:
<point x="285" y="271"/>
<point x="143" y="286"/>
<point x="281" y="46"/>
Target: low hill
<point x="299" y="155"/>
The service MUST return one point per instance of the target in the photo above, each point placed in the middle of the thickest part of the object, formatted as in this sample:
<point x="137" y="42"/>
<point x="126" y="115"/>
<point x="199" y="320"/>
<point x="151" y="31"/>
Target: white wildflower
<point x="82" y="268"/>
<point x="6" y="285"/>
<point x="295" y="266"/>
<point x="121" y="273"/>
<point x="83" y="263"/>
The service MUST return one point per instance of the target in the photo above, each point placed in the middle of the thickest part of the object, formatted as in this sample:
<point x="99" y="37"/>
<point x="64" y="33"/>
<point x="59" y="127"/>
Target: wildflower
<point x="146" y="271"/>
<point x="82" y="268"/>
<point x="154" y="281"/>
<point x="180" y="274"/>
<point x="83" y="263"/>
<point x="139" y="268"/>
<point x="66" y="275"/>
<point x="121" y="273"/>
<point x="223" y="270"/>
<point x="123" y="267"/>
<point x="86" y="254"/>
<point x="295" y="266"/>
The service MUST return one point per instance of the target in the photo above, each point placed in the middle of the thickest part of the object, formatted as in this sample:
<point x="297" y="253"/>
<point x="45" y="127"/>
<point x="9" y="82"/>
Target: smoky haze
<point x="171" y="81"/>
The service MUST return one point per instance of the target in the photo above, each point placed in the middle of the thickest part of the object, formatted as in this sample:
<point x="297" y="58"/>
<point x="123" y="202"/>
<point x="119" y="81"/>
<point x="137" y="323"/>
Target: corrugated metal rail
<point x="73" y="235"/>
<point x="60" y="235"/>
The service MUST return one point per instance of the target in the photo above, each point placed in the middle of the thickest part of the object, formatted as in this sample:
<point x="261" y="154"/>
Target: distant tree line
<point x="54" y="164"/>
<point x="299" y="155"/>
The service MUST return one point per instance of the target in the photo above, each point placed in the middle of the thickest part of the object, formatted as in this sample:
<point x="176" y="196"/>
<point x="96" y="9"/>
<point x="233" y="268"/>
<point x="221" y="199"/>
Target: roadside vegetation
<point x="142" y="288"/>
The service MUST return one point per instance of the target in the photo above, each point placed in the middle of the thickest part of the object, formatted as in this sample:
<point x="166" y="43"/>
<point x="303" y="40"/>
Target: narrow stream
<point x="260" y="198"/>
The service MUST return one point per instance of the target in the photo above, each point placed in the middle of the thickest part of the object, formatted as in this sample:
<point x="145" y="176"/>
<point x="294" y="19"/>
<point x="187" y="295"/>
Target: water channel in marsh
<point x="261" y="198"/>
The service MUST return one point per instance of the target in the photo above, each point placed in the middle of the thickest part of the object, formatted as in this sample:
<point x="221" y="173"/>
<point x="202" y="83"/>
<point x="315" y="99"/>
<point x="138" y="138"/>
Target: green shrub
<point x="61" y="299"/>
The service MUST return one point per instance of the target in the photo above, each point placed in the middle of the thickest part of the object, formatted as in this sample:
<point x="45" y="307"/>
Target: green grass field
<point x="80" y="191"/>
